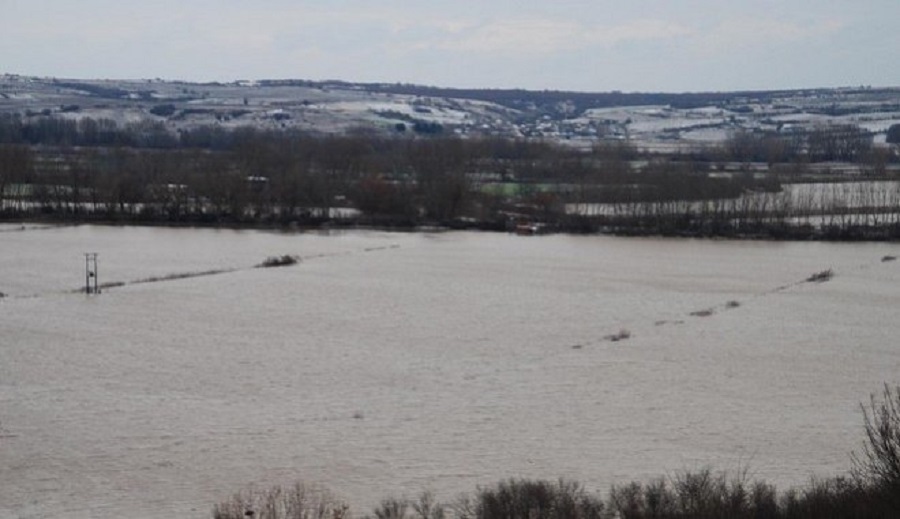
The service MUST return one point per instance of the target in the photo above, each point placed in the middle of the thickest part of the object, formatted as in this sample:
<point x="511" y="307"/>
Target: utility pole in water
<point x="91" y="285"/>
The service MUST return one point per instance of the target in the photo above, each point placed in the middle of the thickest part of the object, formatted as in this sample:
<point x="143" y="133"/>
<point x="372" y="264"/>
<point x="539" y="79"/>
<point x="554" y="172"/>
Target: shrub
<point x="893" y="134"/>
<point x="836" y="498"/>
<point x="425" y="508"/>
<point x="279" y="261"/>
<point x="300" y="501"/>
<point x="696" y="495"/>
<point x="635" y="501"/>
<point x="532" y="499"/>
<point x="621" y="336"/>
<point x="879" y="463"/>
<point x="163" y="110"/>
<point x="821" y="277"/>
<point x="392" y="508"/>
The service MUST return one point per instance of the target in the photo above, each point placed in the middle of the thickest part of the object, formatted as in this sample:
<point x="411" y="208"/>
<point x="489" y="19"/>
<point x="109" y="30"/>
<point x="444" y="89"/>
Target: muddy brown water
<point x="387" y="364"/>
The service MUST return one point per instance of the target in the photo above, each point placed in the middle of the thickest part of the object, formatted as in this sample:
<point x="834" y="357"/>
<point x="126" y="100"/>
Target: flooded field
<point x="386" y="364"/>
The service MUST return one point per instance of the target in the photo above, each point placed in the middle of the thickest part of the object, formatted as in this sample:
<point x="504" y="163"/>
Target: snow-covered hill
<point x="668" y="121"/>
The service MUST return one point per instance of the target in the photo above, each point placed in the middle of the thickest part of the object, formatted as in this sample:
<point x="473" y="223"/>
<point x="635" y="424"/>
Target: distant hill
<point x="662" y="120"/>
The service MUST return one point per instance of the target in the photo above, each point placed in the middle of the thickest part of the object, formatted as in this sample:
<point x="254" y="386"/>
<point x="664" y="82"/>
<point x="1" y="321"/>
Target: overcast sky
<point x="599" y="45"/>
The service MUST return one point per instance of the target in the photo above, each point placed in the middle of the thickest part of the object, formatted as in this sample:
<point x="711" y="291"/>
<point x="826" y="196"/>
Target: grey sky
<point x="629" y="45"/>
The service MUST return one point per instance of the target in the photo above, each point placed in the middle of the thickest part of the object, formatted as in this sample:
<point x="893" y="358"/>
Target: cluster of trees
<point x="84" y="132"/>
<point x="96" y="168"/>
<point x="278" y="177"/>
<point x="862" y="210"/>
<point x="257" y="177"/>
<point x="843" y="142"/>
<point x="893" y="134"/>
<point x="551" y="100"/>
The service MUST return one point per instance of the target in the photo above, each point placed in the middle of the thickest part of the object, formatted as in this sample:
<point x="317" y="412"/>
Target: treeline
<point x="276" y="177"/>
<point x="871" y="490"/>
<point x="842" y="142"/>
<point x="824" y="143"/>
<point x="96" y="169"/>
<point x="835" y="211"/>
<point x="243" y="176"/>
<point x="545" y="100"/>
<point x="48" y="130"/>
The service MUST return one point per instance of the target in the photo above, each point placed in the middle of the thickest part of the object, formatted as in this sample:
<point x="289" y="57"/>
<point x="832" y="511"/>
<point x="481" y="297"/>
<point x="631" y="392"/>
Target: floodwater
<point x="827" y="197"/>
<point x="387" y="364"/>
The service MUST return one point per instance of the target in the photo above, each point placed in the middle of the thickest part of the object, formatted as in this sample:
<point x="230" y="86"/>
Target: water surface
<point x="386" y="364"/>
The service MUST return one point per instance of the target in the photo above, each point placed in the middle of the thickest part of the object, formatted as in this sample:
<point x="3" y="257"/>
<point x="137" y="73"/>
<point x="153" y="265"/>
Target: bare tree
<point x="879" y="463"/>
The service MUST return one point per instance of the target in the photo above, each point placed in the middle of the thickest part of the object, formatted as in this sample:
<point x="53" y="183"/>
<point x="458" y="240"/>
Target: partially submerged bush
<point x="392" y="508"/>
<point x="821" y="277"/>
<point x="182" y="275"/>
<point x="300" y="501"/>
<point x="279" y="261"/>
<point x="835" y="498"/>
<point x="621" y="336"/>
<point x="425" y="508"/>
<point x="532" y="499"/>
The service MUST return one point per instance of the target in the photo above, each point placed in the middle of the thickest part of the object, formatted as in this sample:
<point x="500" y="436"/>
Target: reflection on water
<point x="386" y="364"/>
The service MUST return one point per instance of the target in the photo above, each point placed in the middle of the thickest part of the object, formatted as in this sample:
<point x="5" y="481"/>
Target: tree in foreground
<point x="879" y="463"/>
